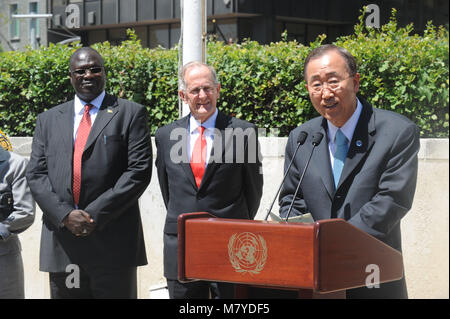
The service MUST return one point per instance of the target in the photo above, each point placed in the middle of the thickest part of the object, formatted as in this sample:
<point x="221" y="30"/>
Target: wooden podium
<point x="320" y="260"/>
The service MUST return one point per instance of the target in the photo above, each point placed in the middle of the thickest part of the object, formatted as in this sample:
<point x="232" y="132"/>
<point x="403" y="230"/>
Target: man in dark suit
<point x="369" y="179"/>
<point x="90" y="163"/>
<point x="206" y="162"/>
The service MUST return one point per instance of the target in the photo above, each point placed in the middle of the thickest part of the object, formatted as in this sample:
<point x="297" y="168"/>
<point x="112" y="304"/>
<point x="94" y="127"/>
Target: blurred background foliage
<point x="400" y="71"/>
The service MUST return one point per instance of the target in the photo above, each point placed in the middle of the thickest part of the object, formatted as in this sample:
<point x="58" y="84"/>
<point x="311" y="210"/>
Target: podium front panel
<point x="250" y="252"/>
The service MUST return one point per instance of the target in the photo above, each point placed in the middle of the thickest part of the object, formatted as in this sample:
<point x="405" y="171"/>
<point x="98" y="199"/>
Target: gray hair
<point x="195" y="64"/>
<point x="320" y="51"/>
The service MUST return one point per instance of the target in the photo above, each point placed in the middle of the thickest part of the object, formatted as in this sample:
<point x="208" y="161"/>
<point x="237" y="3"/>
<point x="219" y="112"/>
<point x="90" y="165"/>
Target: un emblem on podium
<point x="247" y="252"/>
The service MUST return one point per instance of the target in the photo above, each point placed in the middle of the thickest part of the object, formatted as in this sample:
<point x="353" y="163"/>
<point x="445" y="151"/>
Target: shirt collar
<point x="349" y="127"/>
<point x="97" y="102"/>
<point x="209" y="124"/>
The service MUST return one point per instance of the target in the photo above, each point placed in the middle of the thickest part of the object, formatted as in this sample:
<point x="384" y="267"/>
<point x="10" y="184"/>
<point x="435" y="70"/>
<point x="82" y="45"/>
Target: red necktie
<point x="198" y="158"/>
<point x="82" y="135"/>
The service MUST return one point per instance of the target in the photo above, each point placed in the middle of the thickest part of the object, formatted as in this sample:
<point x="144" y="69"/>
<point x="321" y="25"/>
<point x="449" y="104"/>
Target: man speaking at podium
<point x="206" y="162"/>
<point x="365" y="169"/>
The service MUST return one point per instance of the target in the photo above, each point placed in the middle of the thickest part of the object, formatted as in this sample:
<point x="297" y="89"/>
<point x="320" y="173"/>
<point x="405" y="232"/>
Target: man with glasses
<point x="91" y="160"/>
<point x="206" y="162"/>
<point x="364" y="170"/>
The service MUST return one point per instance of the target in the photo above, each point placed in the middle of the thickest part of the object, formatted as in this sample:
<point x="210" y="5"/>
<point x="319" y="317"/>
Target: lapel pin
<point x="110" y="110"/>
<point x="359" y="143"/>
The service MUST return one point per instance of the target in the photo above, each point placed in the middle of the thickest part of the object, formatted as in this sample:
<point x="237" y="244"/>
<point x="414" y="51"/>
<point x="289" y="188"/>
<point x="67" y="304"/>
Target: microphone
<point x="316" y="139"/>
<point x="300" y="141"/>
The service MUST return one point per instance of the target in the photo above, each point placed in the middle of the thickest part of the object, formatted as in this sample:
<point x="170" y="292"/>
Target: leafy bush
<point x="260" y="83"/>
<point x="405" y="73"/>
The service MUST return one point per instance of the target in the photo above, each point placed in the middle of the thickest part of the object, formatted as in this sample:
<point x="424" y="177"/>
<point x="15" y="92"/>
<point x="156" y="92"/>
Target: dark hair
<point x="320" y="51"/>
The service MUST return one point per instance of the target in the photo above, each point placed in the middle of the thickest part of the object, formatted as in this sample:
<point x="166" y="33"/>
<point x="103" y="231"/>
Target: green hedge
<point x="400" y="71"/>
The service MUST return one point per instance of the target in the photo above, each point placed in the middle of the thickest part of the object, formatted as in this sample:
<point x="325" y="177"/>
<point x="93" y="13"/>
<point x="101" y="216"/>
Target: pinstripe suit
<point x="116" y="169"/>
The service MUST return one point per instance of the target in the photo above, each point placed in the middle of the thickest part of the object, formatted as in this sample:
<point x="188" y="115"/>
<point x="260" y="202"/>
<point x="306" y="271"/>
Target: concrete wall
<point x="425" y="228"/>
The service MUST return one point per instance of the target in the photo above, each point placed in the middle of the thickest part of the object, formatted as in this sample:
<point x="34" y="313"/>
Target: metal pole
<point x="193" y="34"/>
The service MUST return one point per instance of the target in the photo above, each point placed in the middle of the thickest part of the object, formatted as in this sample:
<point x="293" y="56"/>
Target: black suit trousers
<point x="90" y="282"/>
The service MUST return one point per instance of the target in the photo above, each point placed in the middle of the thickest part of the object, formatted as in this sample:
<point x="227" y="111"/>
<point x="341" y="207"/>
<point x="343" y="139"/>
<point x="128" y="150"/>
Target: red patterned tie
<point x="198" y="158"/>
<point x="82" y="135"/>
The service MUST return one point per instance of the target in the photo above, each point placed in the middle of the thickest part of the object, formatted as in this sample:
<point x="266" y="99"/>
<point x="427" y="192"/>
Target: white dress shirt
<point x="348" y="129"/>
<point x="208" y="133"/>
<point x="79" y="111"/>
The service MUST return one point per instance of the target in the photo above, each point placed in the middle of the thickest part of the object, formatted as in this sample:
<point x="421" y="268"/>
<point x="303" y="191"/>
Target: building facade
<point x="16" y="34"/>
<point x="157" y="22"/>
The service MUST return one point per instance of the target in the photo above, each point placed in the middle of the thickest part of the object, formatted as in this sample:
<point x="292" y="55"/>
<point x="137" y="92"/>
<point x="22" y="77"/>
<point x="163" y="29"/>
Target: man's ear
<point x="70" y="78"/>
<point x="356" y="82"/>
<point x="218" y="90"/>
<point x="182" y="95"/>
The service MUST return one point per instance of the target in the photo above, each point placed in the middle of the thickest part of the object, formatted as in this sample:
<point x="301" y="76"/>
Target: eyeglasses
<point x="206" y="89"/>
<point x="93" y="70"/>
<point x="332" y="84"/>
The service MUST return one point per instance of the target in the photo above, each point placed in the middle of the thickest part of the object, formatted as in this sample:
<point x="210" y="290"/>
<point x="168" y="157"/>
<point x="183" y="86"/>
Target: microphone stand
<point x="317" y="138"/>
<point x="300" y="141"/>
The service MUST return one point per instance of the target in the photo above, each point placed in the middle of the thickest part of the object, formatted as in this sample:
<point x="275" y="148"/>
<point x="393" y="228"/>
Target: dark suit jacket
<point x="377" y="185"/>
<point x="116" y="169"/>
<point x="230" y="188"/>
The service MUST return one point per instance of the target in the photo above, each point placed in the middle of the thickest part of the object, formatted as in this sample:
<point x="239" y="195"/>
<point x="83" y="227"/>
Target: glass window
<point x="58" y="3"/>
<point x="175" y="32"/>
<point x="141" y="33"/>
<point x="34" y="23"/>
<point x="296" y="31"/>
<point x="163" y="9"/>
<point x="146" y="10"/>
<point x="177" y="11"/>
<point x="96" y="36"/>
<point x="225" y="30"/>
<point x="314" y="30"/>
<point x="245" y="28"/>
<point x="14" y="24"/>
<point x="159" y="36"/>
<point x="109" y="12"/>
<point x="222" y="6"/>
<point x="127" y="11"/>
<point x="116" y="36"/>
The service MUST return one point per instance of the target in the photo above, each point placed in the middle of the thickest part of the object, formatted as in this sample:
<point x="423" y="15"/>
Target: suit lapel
<point x="323" y="161"/>
<point x="105" y="114"/>
<point x="185" y="164"/>
<point x="362" y="141"/>
<point x="66" y="115"/>
<point x="220" y="143"/>
<point x="65" y="146"/>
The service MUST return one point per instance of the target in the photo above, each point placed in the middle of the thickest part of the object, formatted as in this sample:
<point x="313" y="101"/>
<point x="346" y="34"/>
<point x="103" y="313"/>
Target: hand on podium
<point x="305" y="218"/>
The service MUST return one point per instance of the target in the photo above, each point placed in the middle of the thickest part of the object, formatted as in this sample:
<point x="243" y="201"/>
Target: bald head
<point x="81" y="52"/>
